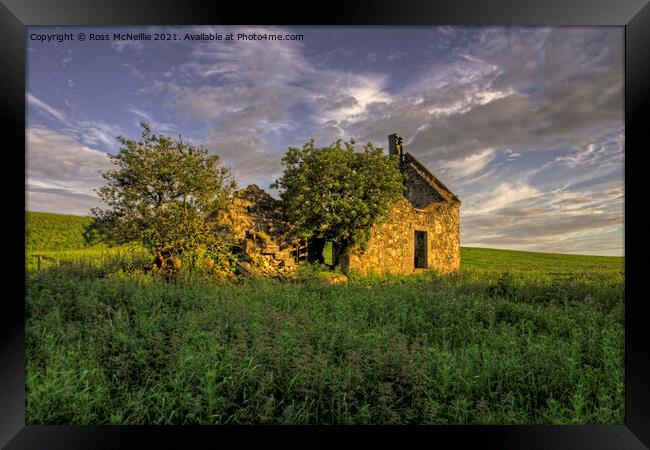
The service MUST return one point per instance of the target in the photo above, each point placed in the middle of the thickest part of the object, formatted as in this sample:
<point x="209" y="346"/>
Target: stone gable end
<point x="428" y="213"/>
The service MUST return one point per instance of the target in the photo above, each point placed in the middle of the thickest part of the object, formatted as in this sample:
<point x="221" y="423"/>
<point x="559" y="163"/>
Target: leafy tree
<point x="167" y="195"/>
<point x="336" y="194"/>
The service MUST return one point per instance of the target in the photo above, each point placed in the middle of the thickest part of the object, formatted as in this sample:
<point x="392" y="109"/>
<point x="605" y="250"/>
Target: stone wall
<point x="257" y="211"/>
<point x="262" y="234"/>
<point x="392" y="244"/>
<point x="417" y="190"/>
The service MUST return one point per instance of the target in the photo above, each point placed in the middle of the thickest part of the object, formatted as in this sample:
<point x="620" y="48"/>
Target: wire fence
<point x="42" y="260"/>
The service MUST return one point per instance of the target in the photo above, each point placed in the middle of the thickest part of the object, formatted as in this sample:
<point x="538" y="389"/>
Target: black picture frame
<point x="634" y="15"/>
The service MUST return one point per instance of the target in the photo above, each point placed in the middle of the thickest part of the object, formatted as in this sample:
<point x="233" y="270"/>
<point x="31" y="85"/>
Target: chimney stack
<point x="396" y="146"/>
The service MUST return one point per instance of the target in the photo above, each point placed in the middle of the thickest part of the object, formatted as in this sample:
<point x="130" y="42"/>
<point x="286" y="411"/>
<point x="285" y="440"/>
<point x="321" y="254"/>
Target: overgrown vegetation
<point x="514" y="338"/>
<point x="336" y="194"/>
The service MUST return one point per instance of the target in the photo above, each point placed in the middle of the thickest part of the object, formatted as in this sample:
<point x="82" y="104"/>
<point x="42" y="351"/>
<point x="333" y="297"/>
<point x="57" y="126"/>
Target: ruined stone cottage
<point x="422" y="230"/>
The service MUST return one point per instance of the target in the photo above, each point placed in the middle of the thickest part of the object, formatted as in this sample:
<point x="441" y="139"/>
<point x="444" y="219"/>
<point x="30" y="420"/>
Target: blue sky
<point x="525" y="125"/>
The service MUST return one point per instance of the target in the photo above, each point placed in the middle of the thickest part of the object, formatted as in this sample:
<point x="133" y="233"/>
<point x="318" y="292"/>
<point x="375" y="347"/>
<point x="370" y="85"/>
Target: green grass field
<point x="514" y="338"/>
<point x="58" y="238"/>
<point x="47" y="231"/>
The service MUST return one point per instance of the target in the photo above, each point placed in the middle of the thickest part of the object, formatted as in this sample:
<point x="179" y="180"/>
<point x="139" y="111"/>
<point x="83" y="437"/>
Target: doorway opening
<point x="420" y="250"/>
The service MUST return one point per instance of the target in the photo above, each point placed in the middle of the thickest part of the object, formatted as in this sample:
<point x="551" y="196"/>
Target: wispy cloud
<point x="505" y="194"/>
<point x="470" y="165"/>
<point x="44" y="107"/>
<point x="588" y="221"/>
<point x="87" y="131"/>
<point x="394" y="56"/>
<point x="160" y="127"/>
<point x="121" y="45"/>
<point x="253" y="98"/>
<point x="61" y="172"/>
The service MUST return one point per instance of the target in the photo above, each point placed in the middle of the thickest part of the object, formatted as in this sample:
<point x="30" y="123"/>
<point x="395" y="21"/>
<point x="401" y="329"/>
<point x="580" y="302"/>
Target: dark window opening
<point x="420" y="249"/>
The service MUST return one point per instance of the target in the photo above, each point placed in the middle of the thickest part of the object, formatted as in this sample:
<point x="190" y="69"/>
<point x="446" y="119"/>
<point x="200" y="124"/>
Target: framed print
<point x="386" y="220"/>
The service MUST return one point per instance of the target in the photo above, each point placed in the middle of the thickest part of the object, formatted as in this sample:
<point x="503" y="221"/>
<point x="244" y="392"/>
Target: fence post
<point x="40" y="260"/>
<point x="57" y="262"/>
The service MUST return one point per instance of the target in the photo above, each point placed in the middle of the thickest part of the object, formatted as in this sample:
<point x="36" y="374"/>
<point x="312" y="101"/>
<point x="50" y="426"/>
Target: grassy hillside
<point x="548" y="263"/>
<point x="47" y="231"/>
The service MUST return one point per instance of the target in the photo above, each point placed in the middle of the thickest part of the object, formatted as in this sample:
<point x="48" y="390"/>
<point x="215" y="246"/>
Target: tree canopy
<point x="337" y="194"/>
<point x="165" y="194"/>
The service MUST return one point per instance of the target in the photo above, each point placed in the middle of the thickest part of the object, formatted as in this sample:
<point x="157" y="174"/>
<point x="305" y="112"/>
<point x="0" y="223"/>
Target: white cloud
<point x="68" y="59"/>
<point x="394" y="56"/>
<point x="252" y="95"/>
<point x="471" y="165"/>
<point x="589" y="221"/>
<point x="608" y="151"/>
<point x="510" y="155"/>
<point x="485" y="97"/>
<point x="61" y="171"/>
<point x="371" y="57"/>
<point x="94" y="133"/>
<point x="44" y="107"/>
<point x="159" y="127"/>
<point x="504" y="195"/>
<point x="360" y="90"/>
<point x="89" y="132"/>
<point x="121" y="45"/>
